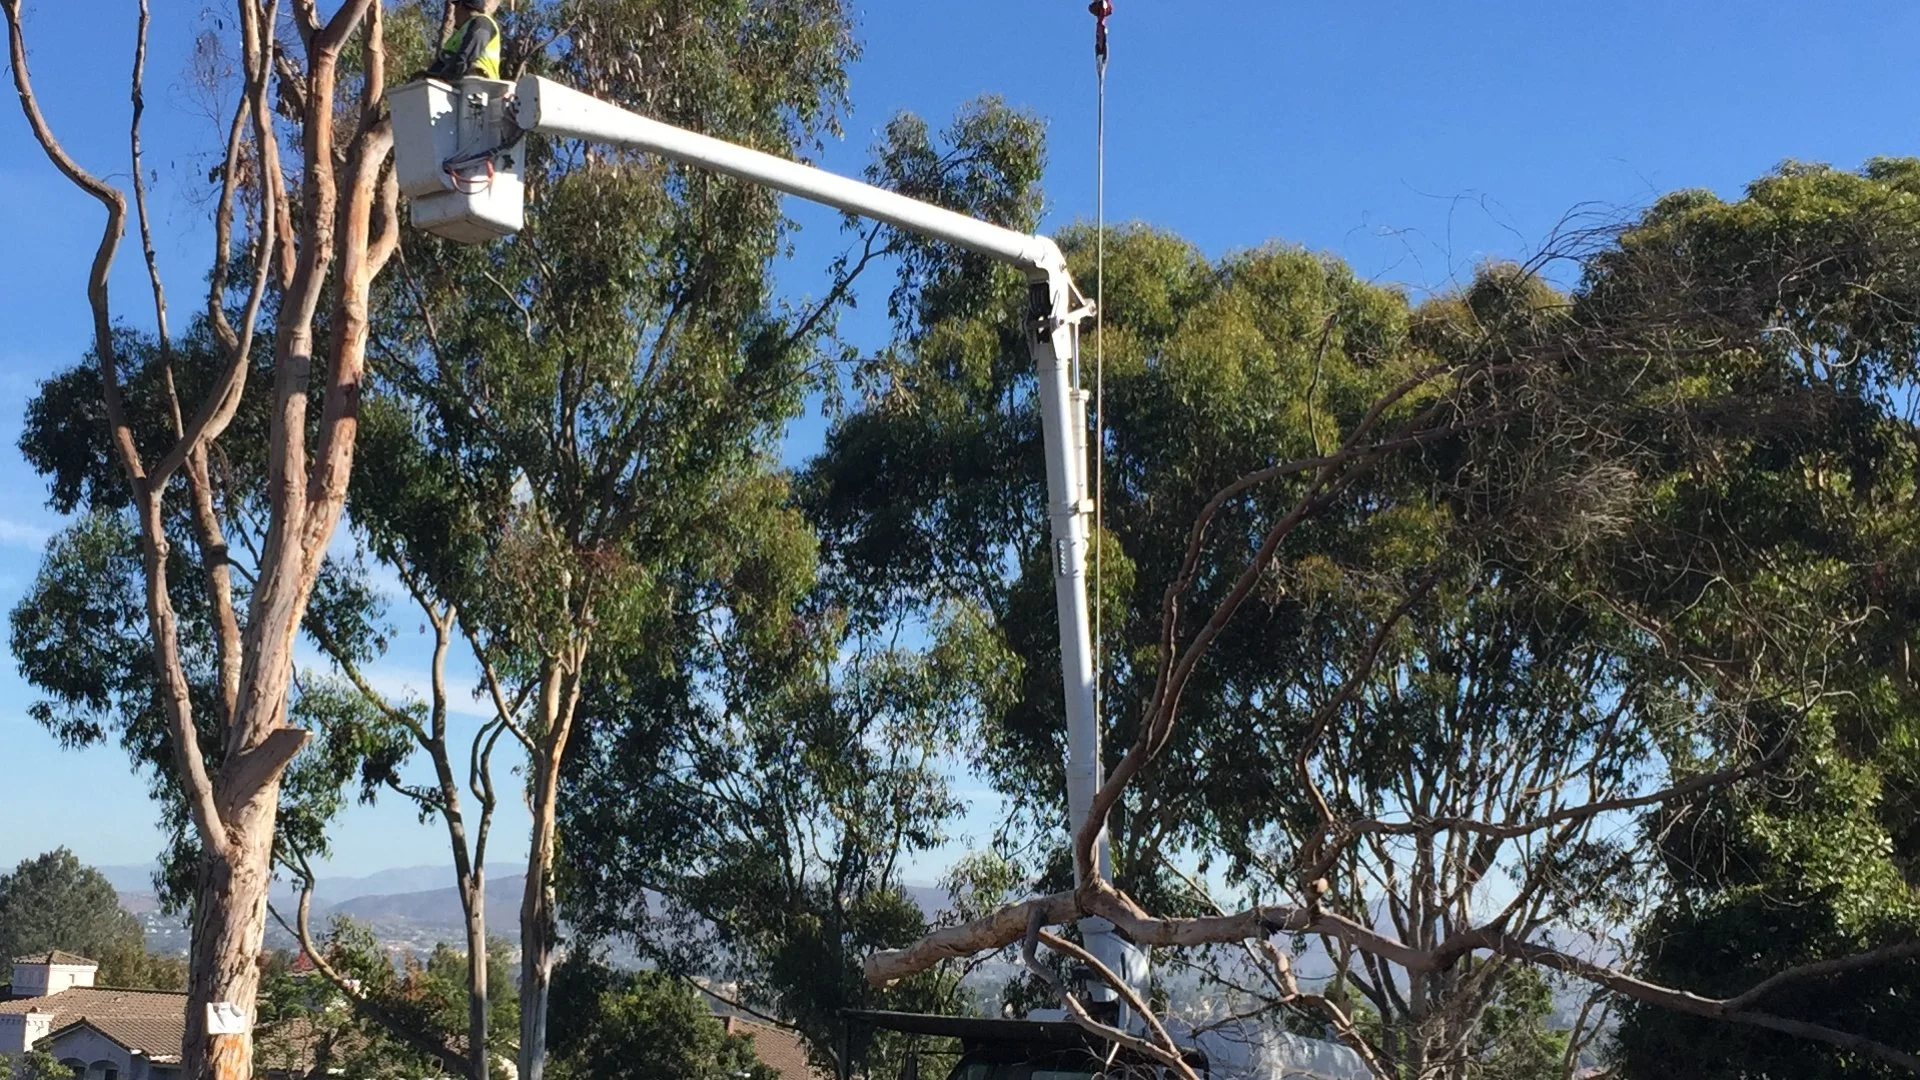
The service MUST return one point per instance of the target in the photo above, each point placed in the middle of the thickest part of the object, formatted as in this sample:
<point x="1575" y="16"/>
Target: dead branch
<point x="115" y="204"/>
<point x="1009" y="925"/>
<point x="217" y="410"/>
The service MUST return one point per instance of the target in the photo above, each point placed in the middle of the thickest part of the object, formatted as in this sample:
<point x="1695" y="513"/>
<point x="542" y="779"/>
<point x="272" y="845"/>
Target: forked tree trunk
<point x="469" y="852"/>
<point x="233" y="800"/>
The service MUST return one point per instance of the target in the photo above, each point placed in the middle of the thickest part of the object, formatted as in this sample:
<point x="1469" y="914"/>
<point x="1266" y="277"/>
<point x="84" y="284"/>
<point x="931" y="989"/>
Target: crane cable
<point x="1101" y="10"/>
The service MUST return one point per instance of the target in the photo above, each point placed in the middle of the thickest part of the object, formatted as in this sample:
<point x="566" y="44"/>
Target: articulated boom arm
<point x="474" y="115"/>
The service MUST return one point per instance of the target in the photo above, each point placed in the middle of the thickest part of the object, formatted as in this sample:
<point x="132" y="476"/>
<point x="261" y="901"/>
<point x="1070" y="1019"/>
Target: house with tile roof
<point x="101" y="1032"/>
<point x="777" y="1047"/>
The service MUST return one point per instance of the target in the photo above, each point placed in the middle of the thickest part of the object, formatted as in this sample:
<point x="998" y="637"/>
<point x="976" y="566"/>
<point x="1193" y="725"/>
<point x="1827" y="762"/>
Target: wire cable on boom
<point x="1101" y="11"/>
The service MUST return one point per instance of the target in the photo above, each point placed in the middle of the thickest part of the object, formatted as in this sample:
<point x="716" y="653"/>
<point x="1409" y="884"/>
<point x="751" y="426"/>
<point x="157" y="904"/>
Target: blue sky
<point x="1414" y="140"/>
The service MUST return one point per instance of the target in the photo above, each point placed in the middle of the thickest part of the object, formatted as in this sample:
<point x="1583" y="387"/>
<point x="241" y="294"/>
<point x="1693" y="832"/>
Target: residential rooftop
<point x="57" y="956"/>
<point x="100" y="1001"/>
<point x="157" y="1038"/>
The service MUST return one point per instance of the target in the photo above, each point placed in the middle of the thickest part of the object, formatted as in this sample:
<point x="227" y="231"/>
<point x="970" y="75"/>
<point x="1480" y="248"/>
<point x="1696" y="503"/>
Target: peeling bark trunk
<point x="536" y="952"/>
<point x="559" y="695"/>
<point x="477" y="1018"/>
<point x="230" y="914"/>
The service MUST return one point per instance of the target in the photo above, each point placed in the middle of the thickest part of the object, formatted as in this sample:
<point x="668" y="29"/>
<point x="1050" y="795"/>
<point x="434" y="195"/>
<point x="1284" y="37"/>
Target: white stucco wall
<point x="100" y="1054"/>
<point x="18" y="1031"/>
<point x="39" y="980"/>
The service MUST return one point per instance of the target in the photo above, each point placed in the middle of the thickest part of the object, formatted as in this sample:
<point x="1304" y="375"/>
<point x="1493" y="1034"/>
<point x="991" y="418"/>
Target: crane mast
<point x="459" y="157"/>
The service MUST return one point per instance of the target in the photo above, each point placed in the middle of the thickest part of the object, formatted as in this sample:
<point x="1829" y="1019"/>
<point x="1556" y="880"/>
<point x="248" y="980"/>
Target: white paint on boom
<point x="450" y="137"/>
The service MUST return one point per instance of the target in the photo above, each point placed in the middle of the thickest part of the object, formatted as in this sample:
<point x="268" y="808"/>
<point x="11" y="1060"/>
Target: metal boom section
<point x="1056" y="309"/>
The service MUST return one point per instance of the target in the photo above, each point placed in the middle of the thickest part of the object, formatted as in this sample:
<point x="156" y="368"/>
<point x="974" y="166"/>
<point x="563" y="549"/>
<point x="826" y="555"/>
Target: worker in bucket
<point x="473" y="49"/>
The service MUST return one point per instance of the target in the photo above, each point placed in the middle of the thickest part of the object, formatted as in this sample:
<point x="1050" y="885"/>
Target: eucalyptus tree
<point x="1387" y="607"/>
<point x="1781" y="330"/>
<point x="303" y="206"/>
<point x="578" y="426"/>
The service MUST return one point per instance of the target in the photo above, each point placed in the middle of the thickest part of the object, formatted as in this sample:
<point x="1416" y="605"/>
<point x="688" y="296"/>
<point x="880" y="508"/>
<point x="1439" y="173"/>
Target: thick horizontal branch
<point x="1730" y="1010"/>
<point x="995" y="931"/>
<point x="1009" y="925"/>
<point x="1905" y="950"/>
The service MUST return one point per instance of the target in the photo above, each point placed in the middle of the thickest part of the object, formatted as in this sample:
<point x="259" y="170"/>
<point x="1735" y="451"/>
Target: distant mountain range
<point x="409" y="909"/>
<point x="331" y="890"/>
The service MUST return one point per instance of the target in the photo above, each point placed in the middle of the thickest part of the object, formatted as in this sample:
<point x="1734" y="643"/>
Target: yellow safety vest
<point x="487" y="64"/>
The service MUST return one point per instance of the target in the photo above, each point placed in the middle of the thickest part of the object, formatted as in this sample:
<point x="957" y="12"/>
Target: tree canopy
<point x="55" y="901"/>
<point x="1618" y="560"/>
<point x="641" y="1025"/>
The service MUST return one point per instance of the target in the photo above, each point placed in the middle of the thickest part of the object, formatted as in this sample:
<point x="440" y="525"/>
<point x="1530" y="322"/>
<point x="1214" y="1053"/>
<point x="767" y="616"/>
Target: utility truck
<point x="459" y="157"/>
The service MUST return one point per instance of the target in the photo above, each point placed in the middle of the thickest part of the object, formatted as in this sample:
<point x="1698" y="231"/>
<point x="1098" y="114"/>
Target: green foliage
<point x="1701" y="456"/>
<point x="768" y="830"/>
<point x="1514" y="1041"/>
<point x="1775" y="535"/>
<point x="767" y="791"/>
<point x="933" y="492"/>
<point x="34" y="1065"/>
<point x="641" y="1026"/>
<point x="441" y="987"/>
<point x="56" y="902"/>
<point x="929" y="498"/>
<point x="580" y="432"/>
<point x="81" y="633"/>
<point x="1766" y="880"/>
<point x="307" y="1022"/>
<point x="579" y="426"/>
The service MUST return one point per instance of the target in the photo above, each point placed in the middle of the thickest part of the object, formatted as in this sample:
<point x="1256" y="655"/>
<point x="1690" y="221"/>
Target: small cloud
<point x="22" y="535"/>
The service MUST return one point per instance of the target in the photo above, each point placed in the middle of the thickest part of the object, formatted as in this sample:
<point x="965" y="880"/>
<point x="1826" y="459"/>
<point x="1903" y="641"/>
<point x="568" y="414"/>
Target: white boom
<point x="441" y="131"/>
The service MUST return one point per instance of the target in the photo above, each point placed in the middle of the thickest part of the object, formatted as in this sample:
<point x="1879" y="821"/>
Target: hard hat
<point x="474" y="5"/>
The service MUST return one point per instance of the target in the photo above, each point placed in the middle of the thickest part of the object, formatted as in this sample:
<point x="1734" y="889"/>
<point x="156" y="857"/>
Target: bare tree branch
<point x="1007" y="926"/>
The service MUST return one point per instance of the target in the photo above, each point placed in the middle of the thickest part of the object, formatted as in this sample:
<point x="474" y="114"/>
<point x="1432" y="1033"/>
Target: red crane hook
<point x="1101" y="10"/>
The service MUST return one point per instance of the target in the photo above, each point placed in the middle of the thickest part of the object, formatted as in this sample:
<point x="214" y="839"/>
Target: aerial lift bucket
<point x="459" y="158"/>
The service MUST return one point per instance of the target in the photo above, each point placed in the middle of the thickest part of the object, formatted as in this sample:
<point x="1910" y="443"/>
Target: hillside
<point x="409" y="909"/>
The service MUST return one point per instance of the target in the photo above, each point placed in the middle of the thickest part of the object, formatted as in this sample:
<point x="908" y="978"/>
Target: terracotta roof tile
<point x="55" y="956"/>
<point x="97" y="1001"/>
<point x="777" y="1047"/>
<point x="158" y="1037"/>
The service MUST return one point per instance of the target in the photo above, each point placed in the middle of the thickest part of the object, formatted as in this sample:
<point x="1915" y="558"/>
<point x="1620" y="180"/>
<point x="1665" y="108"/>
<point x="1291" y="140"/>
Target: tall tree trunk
<point x="230" y="912"/>
<point x="469" y="860"/>
<point x="559" y="696"/>
<point x="536" y="950"/>
<point x="233" y="799"/>
<point x="477" y="1005"/>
